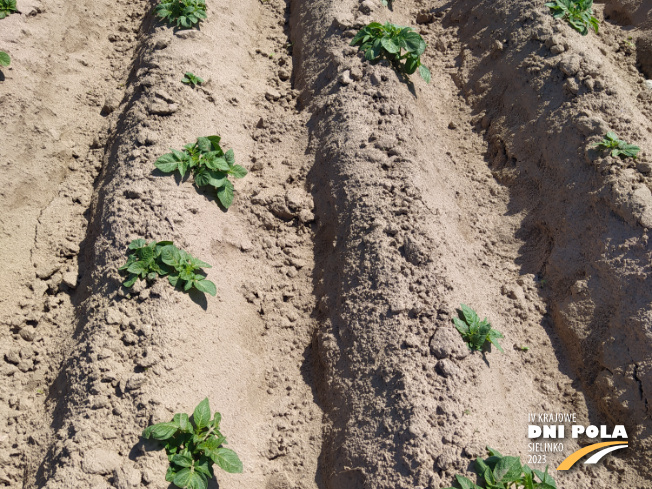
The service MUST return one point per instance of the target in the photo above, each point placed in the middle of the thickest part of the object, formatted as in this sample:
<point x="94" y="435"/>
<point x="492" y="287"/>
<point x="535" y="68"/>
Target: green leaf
<point x="160" y="431"/>
<point x="137" y="268"/>
<point x="229" y="156"/>
<point x="414" y="43"/>
<point x="545" y="485"/>
<point x="171" y="255"/>
<point x="204" y="144"/>
<point x="137" y="243"/>
<point x="146" y="253"/>
<point x="528" y="479"/>
<point x="225" y="194"/>
<point x="202" y="177"/>
<point x="5" y="60"/>
<point x="508" y="469"/>
<point x="215" y="141"/>
<point x="221" y="164"/>
<point x="390" y="45"/>
<point x="375" y="51"/>
<point x="208" y="177"/>
<point x="464" y="482"/>
<point x="493" y="336"/>
<point x="183" y="421"/>
<point x="130" y="281"/>
<point x="425" y="73"/>
<point x="182" y="166"/>
<point x="167" y="163"/>
<point x="171" y="473"/>
<point x="237" y="171"/>
<point x="206" y="286"/>
<point x="210" y="444"/>
<point x="174" y="279"/>
<point x="483" y="329"/>
<point x="189" y="479"/>
<point x="411" y="65"/>
<point x="461" y="326"/>
<point x="358" y="38"/>
<point x="204" y="467"/>
<point x="227" y="460"/>
<point x="183" y="459"/>
<point x="469" y="314"/>
<point x="202" y="414"/>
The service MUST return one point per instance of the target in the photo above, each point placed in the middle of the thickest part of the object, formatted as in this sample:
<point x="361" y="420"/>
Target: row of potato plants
<point x="193" y="444"/>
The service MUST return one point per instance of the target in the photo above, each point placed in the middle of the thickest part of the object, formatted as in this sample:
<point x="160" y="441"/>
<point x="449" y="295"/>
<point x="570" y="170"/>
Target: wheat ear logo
<point x="602" y="449"/>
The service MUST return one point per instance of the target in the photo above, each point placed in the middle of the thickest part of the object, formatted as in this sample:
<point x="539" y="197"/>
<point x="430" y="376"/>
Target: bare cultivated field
<point x="374" y="205"/>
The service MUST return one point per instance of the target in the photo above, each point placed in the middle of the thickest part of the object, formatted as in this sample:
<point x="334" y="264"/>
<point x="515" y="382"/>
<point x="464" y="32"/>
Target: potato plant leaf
<point x="401" y="46"/>
<point x="475" y="332"/>
<point x="202" y="414"/>
<point x="225" y="194"/>
<point x="5" y="60"/>
<point x="227" y="460"/>
<point x="211" y="167"/>
<point x="193" y="446"/>
<point x="190" y="479"/>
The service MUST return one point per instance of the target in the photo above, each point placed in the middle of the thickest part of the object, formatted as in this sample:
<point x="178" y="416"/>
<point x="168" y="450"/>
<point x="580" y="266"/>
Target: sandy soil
<point x="373" y="207"/>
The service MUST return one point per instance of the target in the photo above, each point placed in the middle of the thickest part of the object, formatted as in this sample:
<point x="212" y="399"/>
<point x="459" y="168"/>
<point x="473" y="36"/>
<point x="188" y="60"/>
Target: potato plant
<point x="193" y="446"/>
<point x="183" y="13"/>
<point x="7" y="7"/>
<point x="578" y="13"/>
<point x="617" y="147"/>
<point x="148" y="261"/>
<point x="500" y="472"/>
<point x="209" y="164"/>
<point x="475" y="332"/>
<point x="401" y="46"/>
<point x="191" y="79"/>
<point x="5" y="60"/>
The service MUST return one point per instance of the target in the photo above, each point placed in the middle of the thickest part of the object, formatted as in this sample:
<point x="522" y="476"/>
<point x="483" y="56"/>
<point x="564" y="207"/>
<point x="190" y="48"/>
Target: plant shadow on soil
<point x="2" y="76"/>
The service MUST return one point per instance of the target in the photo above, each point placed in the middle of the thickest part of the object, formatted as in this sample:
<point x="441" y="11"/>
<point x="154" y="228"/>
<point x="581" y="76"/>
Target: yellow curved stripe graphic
<point x="575" y="456"/>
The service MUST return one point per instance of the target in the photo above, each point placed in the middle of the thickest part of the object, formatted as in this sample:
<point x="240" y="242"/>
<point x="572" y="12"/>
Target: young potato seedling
<point x="183" y="13"/>
<point x="501" y="472"/>
<point x="193" y="446"/>
<point x="475" y="332"/>
<point x="7" y="7"/>
<point x="149" y="261"/>
<point x="387" y="41"/>
<point x="578" y="13"/>
<point x="192" y="80"/>
<point x="210" y="166"/>
<point x="5" y="60"/>
<point x="617" y="147"/>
